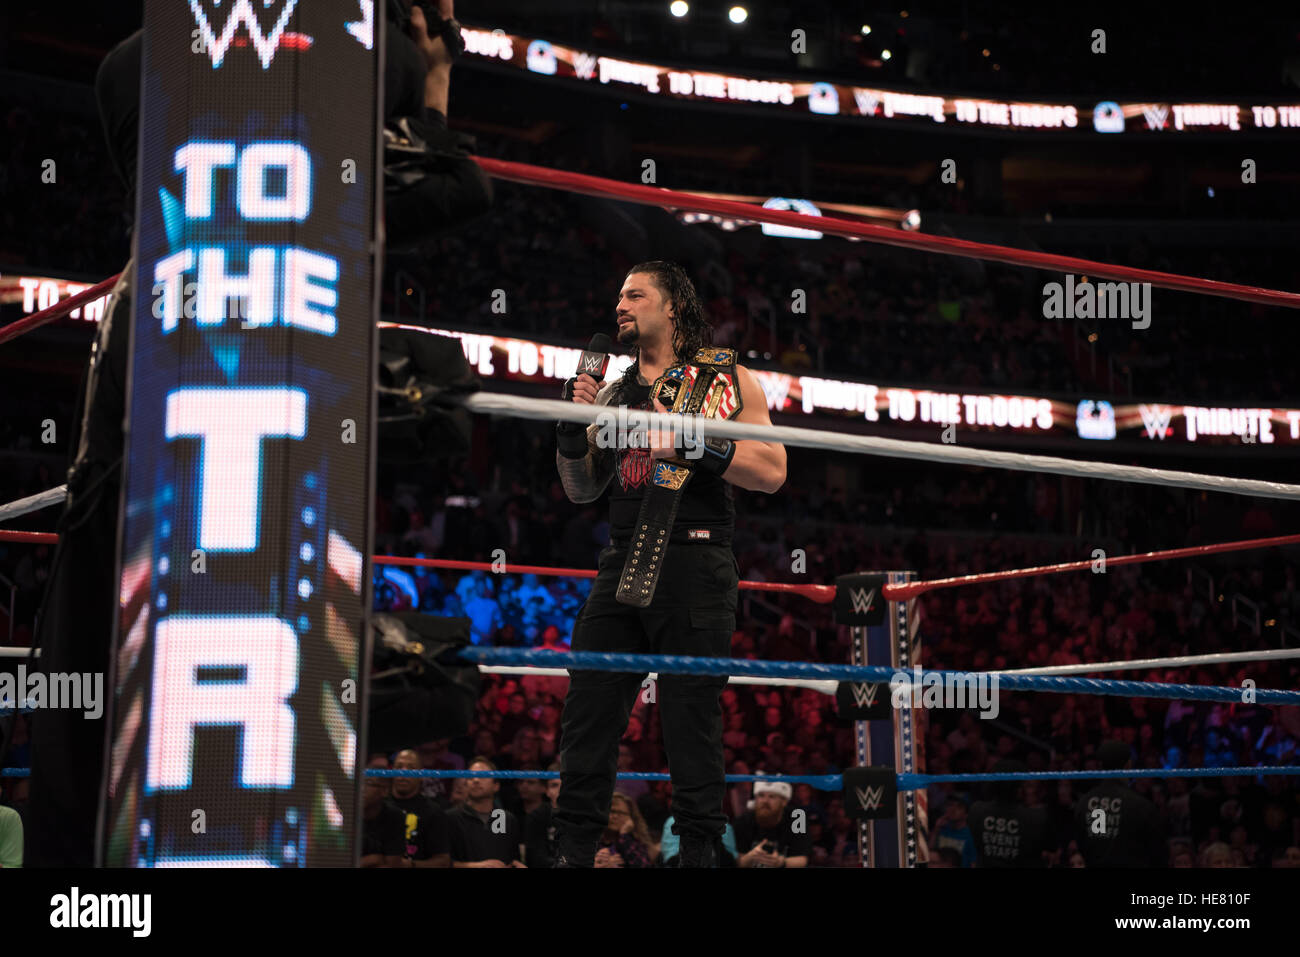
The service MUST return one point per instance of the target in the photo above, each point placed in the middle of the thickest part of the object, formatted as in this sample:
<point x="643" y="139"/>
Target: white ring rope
<point x="1183" y="661"/>
<point x="495" y="403"/>
<point x="33" y="503"/>
<point x="825" y="687"/>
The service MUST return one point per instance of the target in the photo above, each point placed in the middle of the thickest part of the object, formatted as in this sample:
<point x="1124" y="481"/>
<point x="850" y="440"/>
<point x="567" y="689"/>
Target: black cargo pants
<point x="693" y="613"/>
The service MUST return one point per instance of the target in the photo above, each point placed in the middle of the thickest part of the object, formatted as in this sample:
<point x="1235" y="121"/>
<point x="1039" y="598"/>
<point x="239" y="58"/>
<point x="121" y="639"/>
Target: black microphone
<point x="593" y="362"/>
<point x="595" y="359"/>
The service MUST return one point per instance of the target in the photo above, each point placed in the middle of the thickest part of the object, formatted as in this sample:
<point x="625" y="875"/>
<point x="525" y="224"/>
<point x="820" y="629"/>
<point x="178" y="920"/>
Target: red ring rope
<point x="886" y="235"/>
<point x="41" y="538"/>
<point x="911" y="589"/>
<point x="823" y="594"/>
<point x="58" y="310"/>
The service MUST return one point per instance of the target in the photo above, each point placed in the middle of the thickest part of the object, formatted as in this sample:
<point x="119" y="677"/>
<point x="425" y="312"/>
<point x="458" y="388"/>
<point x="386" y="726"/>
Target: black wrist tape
<point x="572" y="439"/>
<point x="717" y="456"/>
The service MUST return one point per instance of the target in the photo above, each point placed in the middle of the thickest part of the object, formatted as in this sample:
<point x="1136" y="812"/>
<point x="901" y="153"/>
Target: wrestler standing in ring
<point x="692" y="608"/>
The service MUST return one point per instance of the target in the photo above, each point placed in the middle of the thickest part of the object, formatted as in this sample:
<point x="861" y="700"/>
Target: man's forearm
<point x="437" y="84"/>
<point x="584" y="479"/>
<point x="757" y="466"/>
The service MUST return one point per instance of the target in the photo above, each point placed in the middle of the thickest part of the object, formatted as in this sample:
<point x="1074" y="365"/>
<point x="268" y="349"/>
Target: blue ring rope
<point x="825" y="782"/>
<point x="685" y="665"/>
<point x="911" y="782"/>
<point x="834" y="782"/>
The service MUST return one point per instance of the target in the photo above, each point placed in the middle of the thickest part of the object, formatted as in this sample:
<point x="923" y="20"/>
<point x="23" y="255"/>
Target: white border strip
<point x="492" y="403"/>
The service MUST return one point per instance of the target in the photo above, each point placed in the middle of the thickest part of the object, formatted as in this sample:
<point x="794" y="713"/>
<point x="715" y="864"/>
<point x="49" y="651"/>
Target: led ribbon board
<point x="249" y="461"/>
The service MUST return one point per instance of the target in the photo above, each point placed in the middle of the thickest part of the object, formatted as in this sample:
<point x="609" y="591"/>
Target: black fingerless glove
<point x="571" y="436"/>
<point x="717" y="456"/>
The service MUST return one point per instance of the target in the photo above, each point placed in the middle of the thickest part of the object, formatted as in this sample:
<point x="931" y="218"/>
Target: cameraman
<point x="432" y="183"/>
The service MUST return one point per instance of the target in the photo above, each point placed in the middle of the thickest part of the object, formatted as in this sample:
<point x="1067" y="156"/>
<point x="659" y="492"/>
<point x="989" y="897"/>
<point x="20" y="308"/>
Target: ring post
<point x="885" y="737"/>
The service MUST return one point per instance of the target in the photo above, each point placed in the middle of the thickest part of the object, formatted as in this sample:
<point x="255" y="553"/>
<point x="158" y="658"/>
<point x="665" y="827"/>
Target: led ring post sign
<point x="238" y="675"/>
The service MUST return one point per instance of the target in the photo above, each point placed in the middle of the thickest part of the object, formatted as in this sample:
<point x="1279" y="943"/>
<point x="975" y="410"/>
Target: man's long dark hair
<point x="691" y="330"/>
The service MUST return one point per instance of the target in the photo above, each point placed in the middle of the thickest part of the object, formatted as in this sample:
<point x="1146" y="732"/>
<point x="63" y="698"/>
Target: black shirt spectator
<point x="539" y="836"/>
<point x="1116" y="826"/>
<point x="1009" y="834"/>
<point x="383" y="833"/>
<point x="426" y="843"/>
<point x="772" y="822"/>
<point x="1119" y="828"/>
<point x="480" y="837"/>
<point x="425" y="828"/>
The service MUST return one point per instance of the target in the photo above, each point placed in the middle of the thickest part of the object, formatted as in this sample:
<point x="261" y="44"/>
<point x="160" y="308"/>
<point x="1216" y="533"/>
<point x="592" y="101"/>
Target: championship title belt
<point x="705" y="386"/>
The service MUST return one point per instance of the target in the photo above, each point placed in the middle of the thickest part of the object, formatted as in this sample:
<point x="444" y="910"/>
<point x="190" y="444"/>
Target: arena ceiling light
<point x="738" y="14"/>
<point x="679" y="8"/>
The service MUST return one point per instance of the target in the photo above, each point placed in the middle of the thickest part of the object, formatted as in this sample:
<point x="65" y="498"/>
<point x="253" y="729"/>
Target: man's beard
<point x="630" y="334"/>
<point x="767" y="817"/>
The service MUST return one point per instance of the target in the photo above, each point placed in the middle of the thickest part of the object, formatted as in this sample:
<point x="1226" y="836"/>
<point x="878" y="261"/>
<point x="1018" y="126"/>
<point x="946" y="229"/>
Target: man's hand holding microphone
<point x="583" y="389"/>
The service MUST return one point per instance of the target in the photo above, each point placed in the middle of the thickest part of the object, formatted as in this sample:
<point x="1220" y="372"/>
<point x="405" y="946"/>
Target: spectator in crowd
<point x="11" y="838"/>
<point x="1287" y="857"/>
<point x="625" y="841"/>
<point x="483" y="834"/>
<point x="383" y="826"/>
<point x="654" y="806"/>
<point x="484" y="614"/>
<point x="437" y="756"/>
<point x="627" y="760"/>
<point x="773" y="834"/>
<point x="519" y="727"/>
<point x="539" y="833"/>
<point x="548" y="731"/>
<point x="1009" y="833"/>
<point x="529" y="793"/>
<point x="456" y="797"/>
<point x="425" y="822"/>
<point x="1115" y="825"/>
<point x="945" y="857"/>
<point x="951" y="830"/>
<point x="1216" y="854"/>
